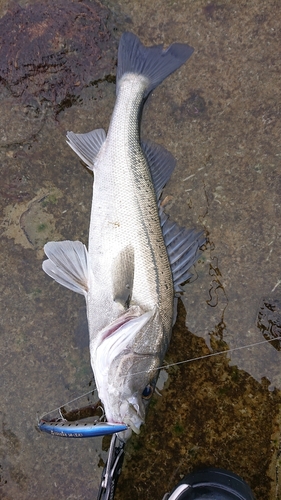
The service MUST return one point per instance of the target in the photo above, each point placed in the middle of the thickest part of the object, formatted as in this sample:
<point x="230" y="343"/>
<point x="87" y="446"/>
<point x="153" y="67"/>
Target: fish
<point x="137" y="258"/>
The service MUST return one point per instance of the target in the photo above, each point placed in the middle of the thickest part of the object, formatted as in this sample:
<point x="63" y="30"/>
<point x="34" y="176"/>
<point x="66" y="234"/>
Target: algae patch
<point x="29" y="223"/>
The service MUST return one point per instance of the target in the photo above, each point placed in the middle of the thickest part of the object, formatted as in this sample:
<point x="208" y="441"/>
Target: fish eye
<point x="147" y="392"/>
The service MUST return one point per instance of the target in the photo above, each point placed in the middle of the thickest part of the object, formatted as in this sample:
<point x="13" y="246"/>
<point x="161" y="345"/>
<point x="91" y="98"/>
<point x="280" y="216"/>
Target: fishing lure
<point x="77" y="429"/>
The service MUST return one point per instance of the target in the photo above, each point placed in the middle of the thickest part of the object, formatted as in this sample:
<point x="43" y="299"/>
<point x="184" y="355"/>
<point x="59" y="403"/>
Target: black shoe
<point x="211" y="484"/>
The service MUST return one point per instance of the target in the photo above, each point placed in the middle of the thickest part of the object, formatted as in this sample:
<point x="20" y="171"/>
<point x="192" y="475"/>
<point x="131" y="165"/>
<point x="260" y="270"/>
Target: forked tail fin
<point x="153" y="62"/>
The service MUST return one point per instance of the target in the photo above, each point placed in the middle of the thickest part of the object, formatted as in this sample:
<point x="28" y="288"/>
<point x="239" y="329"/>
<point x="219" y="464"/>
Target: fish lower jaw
<point x="133" y="422"/>
<point x="131" y="425"/>
<point x="125" y="435"/>
<point x="131" y="419"/>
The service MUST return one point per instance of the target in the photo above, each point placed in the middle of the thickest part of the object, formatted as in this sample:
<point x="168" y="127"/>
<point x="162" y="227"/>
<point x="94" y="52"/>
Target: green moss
<point x="52" y="199"/>
<point x="193" y="452"/>
<point x="152" y="403"/>
<point x="178" y="429"/>
<point x="137" y="445"/>
<point x="235" y="375"/>
<point x="41" y="227"/>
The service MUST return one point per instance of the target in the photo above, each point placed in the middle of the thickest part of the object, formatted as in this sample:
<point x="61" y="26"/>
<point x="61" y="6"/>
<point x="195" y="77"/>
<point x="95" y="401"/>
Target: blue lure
<point x="80" y="429"/>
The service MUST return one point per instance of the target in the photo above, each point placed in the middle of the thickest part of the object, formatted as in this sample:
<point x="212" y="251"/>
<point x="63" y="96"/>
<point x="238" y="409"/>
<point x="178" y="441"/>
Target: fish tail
<point x="152" y="62"/>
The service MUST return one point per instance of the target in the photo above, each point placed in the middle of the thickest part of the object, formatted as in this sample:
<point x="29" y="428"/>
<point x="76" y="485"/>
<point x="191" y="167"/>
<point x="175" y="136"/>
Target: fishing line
<point x="164" y="367"/>
<point x="207" y="356"/>
<point x="72" y="401"/>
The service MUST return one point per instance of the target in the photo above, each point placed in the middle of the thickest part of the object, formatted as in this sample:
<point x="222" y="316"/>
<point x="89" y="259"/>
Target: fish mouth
<point x="132" y="414"/>
<point x="132" y="427"/>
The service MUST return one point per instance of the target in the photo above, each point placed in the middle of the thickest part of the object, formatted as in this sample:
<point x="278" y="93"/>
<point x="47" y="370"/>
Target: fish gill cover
<point x="52" y="50"/>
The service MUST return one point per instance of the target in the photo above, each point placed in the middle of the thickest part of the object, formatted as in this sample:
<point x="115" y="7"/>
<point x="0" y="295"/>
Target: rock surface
<point x="51" y="50"/>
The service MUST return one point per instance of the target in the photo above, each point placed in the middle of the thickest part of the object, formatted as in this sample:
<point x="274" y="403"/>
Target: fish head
<point x="125" y="366"/>
<point x="133" y="391"/>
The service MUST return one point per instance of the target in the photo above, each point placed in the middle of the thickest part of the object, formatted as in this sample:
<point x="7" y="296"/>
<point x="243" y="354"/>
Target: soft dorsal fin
<point x="123" y="276"/>
<point x="161" y="164"/>
<point x="182" y="247"/>
<point x="87" y="146"/>
<point x="67" y="264"/>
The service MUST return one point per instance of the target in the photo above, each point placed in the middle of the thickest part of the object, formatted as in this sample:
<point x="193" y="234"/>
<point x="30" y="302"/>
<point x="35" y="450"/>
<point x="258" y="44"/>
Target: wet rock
<point x="52" y="50"/>
<point x="31" y="223"/>
<point x="269" y="321"/>
<point x="19" y="123"/>
<point x="195" y="105"/>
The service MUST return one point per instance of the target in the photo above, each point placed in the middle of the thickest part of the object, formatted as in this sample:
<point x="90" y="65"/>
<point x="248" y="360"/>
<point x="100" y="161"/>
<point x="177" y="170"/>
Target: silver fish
<point x="137" y="257"/>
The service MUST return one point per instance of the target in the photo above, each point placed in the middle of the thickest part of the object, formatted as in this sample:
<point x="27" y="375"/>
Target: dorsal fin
<point x="182" y="247"/>
<point x="161" y="164"/>
<point x="182" y="244"/>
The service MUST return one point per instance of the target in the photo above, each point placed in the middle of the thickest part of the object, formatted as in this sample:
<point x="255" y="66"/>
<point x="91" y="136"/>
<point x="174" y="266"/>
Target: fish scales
<point x="122" y="170"/>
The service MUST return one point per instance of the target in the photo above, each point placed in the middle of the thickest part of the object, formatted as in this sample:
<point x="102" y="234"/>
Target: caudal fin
<point x="153" y="62"/>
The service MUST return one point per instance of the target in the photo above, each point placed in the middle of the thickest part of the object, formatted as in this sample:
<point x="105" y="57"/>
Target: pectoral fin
<point x="67" y="264"/>
<point x="123" y="276"/>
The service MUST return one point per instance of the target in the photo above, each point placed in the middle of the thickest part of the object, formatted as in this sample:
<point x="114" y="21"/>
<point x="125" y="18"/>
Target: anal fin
<point x="67" y="264"/>
<point x="87" y="146"/>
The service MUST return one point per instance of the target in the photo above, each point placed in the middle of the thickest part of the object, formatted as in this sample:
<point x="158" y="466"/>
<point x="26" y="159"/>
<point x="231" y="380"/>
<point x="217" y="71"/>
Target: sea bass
<point x="137" y="257"/>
